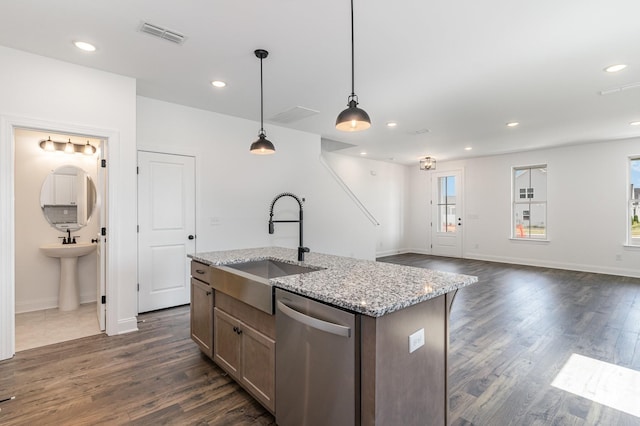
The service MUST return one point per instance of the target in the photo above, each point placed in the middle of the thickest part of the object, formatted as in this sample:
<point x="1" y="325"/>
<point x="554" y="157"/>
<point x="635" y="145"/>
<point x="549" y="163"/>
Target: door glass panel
<point x="447" y="204"/>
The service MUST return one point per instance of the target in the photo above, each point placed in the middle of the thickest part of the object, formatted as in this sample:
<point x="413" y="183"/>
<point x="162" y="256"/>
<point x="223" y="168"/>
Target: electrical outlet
<point x="416" y="340"/>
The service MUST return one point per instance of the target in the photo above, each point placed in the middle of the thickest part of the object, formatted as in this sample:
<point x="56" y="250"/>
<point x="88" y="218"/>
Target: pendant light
<point x="262" y="146"/>
<point x="353" y="119"/>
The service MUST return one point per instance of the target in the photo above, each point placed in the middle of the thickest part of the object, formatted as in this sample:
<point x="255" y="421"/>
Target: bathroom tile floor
<point x="41" y="328"/>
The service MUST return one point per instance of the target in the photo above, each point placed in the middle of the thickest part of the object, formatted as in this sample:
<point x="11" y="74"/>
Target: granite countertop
<point x="363" y="286"/>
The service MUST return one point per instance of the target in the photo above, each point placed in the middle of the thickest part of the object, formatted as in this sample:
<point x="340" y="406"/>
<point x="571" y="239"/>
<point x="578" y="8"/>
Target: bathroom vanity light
<point x="353" y="119"/>
<point x="67" y="147"/>
<point x="262" y="146"/>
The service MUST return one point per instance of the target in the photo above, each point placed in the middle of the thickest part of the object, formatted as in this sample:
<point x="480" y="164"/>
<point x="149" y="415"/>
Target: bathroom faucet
<point x="68" y="239"/>
<point x="301" y="249"/>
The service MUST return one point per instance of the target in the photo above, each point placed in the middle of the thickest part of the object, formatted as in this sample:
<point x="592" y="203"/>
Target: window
<point x="634" y="202"/>
<point x="446" y="204"/>
<point x="529" y="209"/>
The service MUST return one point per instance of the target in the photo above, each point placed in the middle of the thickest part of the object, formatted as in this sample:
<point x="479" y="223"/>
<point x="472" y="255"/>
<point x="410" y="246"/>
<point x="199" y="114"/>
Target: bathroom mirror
<point x="68" y="198"/>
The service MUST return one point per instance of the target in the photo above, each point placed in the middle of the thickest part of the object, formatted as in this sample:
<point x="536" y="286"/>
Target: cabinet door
<point x="258" y="365"/>
<point x="202" y="316"/>
<point x="64" y="189"/>
<point x="227" y="342"/>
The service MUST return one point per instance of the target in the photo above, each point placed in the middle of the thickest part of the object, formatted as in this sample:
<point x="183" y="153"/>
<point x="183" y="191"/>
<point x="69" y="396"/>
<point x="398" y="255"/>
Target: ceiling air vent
<point x="293" y="114"/>
<point x="163" y="33"/>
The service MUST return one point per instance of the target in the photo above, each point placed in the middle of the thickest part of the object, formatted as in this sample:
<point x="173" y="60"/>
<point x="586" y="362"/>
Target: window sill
<point x="531" y="240"/>
<point x="632" y="246"/>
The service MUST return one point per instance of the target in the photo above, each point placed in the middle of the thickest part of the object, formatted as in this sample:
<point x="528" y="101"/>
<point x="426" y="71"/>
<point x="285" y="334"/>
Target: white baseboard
<point x="47" y="303"/>
<point x="127" y="325"/>
<point x="596" y="269"/>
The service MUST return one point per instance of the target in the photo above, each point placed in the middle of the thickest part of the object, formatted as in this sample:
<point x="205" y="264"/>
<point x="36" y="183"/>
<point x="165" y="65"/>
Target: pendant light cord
<point x="353" y="93"/>
<point x="261" y="101"/>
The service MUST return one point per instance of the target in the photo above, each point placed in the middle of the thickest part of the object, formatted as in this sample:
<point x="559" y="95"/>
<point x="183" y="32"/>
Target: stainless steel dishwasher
<point x="317" y="363"/>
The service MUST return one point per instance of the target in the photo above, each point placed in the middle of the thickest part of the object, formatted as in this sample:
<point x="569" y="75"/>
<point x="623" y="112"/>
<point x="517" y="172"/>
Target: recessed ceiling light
<point x="635" y="123"/>
<point x="83" y="45"/>
<point x="218" y="83"/>
<point x="363" y="153"/>
<point x="468" y="148"/>
<point x="615" y="68"/>
<point x="392" y="124"/>
<point x="512" y="124"/>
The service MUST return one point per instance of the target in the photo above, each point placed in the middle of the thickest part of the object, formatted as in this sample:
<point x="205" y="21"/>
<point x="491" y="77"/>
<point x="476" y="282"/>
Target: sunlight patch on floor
<point x="601" y="382"/>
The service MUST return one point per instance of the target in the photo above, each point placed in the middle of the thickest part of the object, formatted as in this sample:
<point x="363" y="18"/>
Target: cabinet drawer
<point x="201" y="271"/>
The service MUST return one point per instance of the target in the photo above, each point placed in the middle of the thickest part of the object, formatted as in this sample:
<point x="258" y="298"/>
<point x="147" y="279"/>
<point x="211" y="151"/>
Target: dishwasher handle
<point x="316" y="323"/>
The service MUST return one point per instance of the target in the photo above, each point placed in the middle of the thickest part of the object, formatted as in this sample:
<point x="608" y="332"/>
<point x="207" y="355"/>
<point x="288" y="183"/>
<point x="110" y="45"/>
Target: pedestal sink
<point x="69" y="295"/>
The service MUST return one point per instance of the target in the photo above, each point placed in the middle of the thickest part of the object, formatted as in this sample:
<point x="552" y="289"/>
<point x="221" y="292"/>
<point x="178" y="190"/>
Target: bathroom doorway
<point x="56" y="196"/>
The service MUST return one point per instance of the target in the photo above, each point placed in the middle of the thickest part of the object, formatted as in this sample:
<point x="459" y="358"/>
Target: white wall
<point x="59" y="96"/>
<point x="382" y="188"/>
<point x="235" y="188"/>
<point x="587" y="208"/>
<point x="38" y="276"/>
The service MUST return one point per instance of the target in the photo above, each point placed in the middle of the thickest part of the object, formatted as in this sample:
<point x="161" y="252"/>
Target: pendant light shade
<point x="262" y="146"/>
<point x="353" y="119"/>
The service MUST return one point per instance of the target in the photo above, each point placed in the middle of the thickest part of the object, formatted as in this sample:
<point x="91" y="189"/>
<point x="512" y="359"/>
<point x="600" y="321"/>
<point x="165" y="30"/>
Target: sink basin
<point x="68" y="294"/>
<point x="249" y="282"/>
<point x="271" y="268"/>
<point x="68" y="250"/>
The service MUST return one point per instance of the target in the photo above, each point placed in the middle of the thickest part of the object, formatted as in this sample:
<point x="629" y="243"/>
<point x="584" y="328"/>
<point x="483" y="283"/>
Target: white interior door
<point x="101" y="252"/>
<point x="166" y="233"/>
<point x="446" y="213"/>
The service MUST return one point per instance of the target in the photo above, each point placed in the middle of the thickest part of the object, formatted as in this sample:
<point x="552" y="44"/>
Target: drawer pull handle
<point x="209" y="293"/>
<point x="200" y="271"/>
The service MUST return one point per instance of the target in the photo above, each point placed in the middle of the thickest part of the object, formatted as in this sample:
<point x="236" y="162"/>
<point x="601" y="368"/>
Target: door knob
<point x="94" y="240"/>
<point x="191" y="237"/>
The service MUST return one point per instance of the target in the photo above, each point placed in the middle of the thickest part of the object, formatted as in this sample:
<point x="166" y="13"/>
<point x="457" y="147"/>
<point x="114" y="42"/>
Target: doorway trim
<point x="8" y="124"/>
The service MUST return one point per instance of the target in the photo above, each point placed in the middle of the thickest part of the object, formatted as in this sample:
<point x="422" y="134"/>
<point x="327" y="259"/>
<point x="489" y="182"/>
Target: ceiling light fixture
<point x="262" y="146"/>
<point x="83" y="45"/>
<point x="218" y="83"/>
<point x="353" y="119"/>
<point x="513" y="124"/>
<point x="427" y="163"/>
<point x="363" y="153"/>
<point x="468" y="148"/>
<point x="615" y="68"/>
<point x="635" y="123"/>
<point x="392" y="124"/>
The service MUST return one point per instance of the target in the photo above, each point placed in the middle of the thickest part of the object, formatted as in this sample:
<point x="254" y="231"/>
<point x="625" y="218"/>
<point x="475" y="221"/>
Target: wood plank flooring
<point x="513" y="332"/>
<point x="510" y="336"/>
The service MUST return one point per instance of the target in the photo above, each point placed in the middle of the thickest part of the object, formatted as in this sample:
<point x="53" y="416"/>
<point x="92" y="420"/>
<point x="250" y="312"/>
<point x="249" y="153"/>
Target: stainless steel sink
<point x="249" y="281"/>
<point x="271" y="268"/>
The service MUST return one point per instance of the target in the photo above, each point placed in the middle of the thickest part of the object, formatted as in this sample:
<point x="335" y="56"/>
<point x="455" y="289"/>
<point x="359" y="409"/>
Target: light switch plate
<point x="416" y="340"/>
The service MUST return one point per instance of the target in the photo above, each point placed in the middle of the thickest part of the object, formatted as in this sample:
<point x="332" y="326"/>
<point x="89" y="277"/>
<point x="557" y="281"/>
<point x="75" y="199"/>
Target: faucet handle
<point x="64" y="240"/>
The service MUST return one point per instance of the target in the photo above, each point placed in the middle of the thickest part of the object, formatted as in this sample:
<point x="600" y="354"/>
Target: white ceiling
<point x="461" y="68"/>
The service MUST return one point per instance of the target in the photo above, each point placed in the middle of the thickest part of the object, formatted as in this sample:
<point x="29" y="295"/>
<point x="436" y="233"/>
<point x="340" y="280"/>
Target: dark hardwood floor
<point x="510" y="336"/>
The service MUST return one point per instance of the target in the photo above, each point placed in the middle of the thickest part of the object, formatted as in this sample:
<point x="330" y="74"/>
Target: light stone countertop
<point x="363" y="286"/>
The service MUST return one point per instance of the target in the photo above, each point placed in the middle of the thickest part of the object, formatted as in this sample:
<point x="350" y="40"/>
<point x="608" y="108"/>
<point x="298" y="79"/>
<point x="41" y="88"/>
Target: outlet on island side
<point x="416" y="340"/>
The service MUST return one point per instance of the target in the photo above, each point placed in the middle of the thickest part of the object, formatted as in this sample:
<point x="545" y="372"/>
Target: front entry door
<point x="446" y="214"/>
<point x="166" y="220"/>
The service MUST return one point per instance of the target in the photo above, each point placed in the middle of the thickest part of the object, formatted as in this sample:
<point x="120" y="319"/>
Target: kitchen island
<point x="401" y="330"/>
